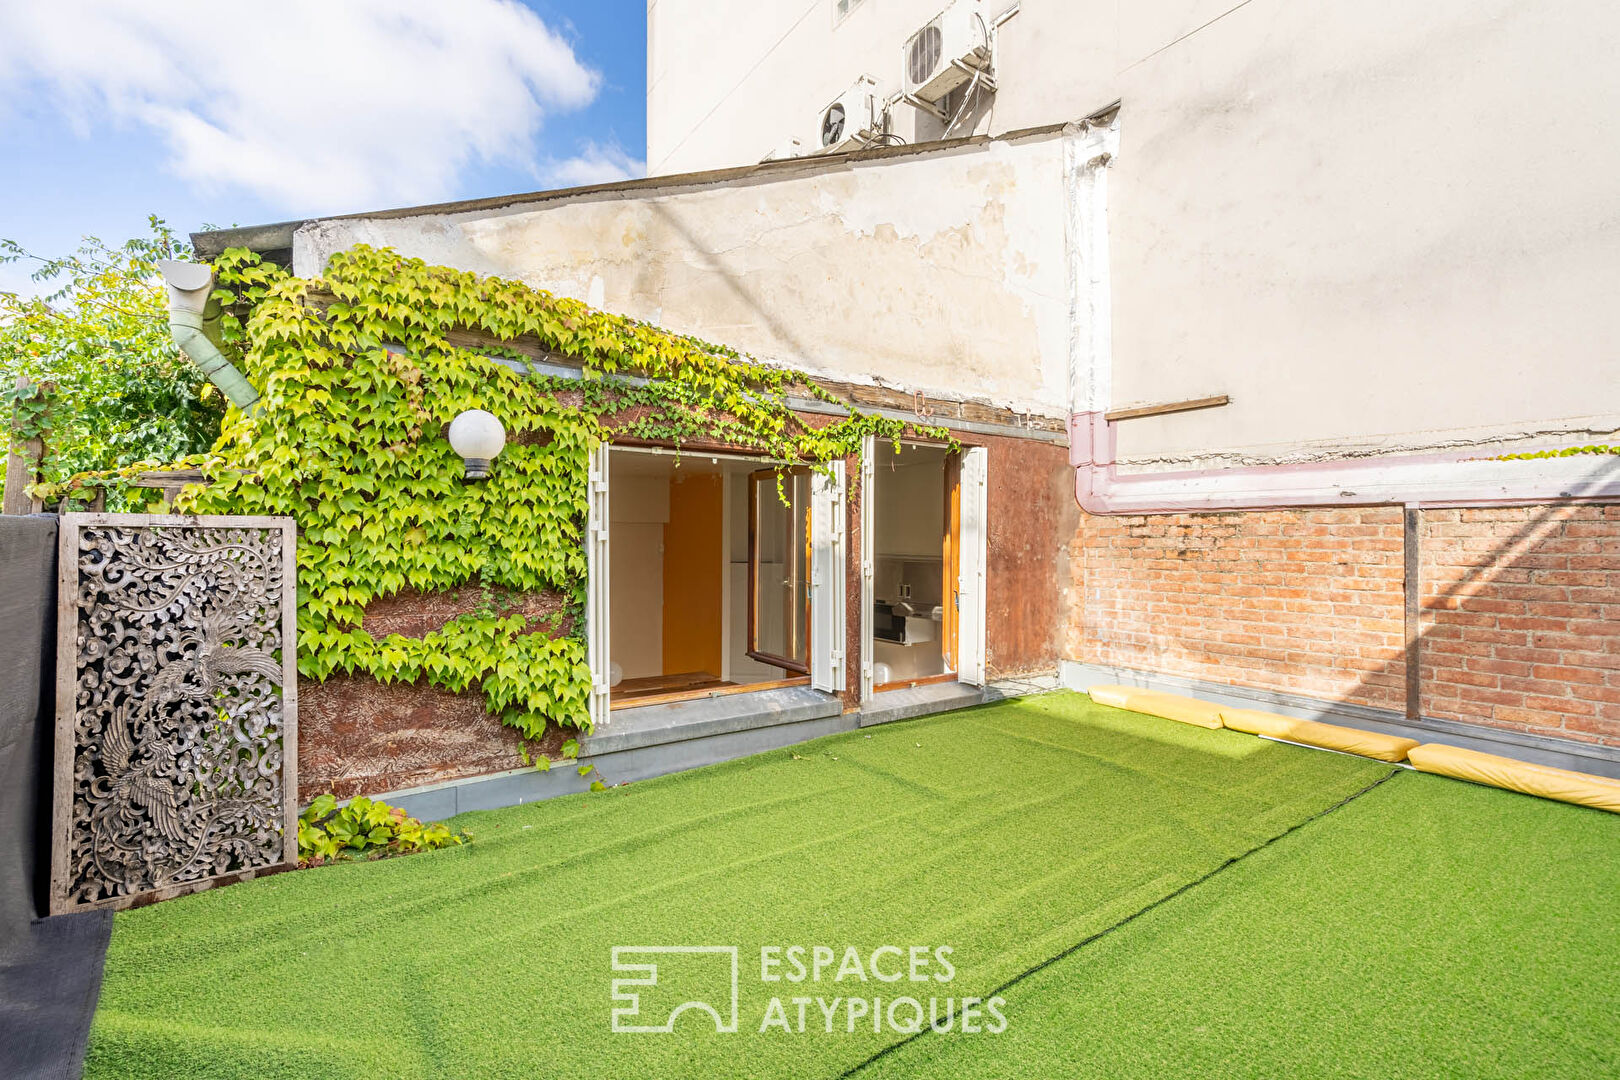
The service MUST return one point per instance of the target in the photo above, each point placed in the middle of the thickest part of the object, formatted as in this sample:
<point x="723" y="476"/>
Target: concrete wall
<point x="943" y="272"/>
<point x="1379" y="226"/>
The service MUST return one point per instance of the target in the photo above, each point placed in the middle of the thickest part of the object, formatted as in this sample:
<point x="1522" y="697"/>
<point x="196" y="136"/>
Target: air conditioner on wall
<point x="957" y="38"/>
<point x="853" y="118"/>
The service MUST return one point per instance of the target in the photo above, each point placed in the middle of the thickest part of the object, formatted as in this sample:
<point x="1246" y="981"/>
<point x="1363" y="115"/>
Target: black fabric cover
<point x="50" y="969"/>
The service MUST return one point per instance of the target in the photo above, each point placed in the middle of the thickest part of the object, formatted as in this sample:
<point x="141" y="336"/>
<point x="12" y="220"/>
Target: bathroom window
<point x="842" y="8"/>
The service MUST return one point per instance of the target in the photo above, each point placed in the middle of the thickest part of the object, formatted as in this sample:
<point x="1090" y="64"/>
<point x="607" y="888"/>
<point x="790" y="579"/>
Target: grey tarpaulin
<point x="50" y="969"/>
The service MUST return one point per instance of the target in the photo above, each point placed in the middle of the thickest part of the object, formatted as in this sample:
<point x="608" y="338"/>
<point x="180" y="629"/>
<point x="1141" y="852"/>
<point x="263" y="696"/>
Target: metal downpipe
<point x="193" y="324"/>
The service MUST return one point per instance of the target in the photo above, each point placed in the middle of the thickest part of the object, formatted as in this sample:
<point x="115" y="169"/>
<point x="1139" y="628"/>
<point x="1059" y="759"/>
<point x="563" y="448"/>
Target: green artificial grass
<point x="1008" y="833"/>
<point x="1430" y="928"/>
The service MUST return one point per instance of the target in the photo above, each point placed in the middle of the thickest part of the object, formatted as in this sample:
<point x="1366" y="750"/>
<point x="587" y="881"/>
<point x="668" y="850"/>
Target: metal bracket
<point x="932" y="110"/>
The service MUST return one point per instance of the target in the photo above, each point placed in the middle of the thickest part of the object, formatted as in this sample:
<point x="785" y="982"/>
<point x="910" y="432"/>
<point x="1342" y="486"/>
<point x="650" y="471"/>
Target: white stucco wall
<point x="1373" y="225"/>
<point x="728" y="82"/>
<point x="1378" y="226"/>
<point x="944" y="273"/>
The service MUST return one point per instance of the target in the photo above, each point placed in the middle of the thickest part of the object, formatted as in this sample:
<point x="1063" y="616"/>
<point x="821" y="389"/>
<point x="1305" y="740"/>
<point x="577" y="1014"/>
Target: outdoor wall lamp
<point x="478" y="437"/>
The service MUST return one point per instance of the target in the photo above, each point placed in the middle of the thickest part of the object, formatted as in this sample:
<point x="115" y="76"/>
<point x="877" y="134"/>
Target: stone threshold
<point x="654" y="740"/>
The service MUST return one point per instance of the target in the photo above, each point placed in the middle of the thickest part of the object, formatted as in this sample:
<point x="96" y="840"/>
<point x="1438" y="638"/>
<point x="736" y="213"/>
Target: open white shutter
<point x="868" y="481"/>
<point x="827" y="625"/>
<point x="596" y="586"/>
<point x="970" y="596"/>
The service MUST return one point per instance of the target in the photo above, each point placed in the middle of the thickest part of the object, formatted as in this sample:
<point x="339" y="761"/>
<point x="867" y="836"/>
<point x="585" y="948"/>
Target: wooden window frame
<point x="950" y="624"/>
<point x="753" y="651"/>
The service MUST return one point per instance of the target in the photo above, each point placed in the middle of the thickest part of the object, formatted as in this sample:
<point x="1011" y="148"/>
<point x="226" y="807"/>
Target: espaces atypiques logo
<point x="815" y="989"/>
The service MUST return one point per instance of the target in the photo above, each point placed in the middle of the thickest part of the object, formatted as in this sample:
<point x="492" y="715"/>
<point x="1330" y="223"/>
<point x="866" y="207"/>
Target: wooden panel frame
<point x="710" y="692"/>
<point x="950" y="624"/>
<point x="753" y="650"/>
<point x="70" y="525"/>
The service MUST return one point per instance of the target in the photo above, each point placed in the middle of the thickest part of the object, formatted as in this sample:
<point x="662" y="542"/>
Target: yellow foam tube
<point x="1564" y="785"/>
<point x="1312" y="733"/>
<point x="1157" y="703"/>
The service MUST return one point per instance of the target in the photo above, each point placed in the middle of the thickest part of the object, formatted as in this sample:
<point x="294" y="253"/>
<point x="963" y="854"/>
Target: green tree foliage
<point x="119" y="392"/>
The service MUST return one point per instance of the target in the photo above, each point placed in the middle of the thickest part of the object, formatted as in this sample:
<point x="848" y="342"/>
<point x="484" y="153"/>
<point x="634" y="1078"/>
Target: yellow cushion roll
<point x="1312" y="733"/>
<point x="1157" y="703"/>
<point x="1564" y="785"/>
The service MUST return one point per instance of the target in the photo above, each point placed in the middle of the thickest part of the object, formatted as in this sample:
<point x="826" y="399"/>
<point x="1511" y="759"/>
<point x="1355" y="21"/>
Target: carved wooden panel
<point x="176" y="717"/>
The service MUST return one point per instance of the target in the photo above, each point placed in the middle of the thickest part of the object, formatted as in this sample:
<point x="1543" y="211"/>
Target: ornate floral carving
<point x="177" y="768"/>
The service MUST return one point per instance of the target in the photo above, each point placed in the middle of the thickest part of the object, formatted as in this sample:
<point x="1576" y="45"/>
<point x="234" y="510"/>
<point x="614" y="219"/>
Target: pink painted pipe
<point x="1434" y="480"/>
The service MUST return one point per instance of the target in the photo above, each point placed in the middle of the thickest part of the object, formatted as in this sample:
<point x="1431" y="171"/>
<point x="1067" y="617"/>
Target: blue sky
<point x="111" y="110"/>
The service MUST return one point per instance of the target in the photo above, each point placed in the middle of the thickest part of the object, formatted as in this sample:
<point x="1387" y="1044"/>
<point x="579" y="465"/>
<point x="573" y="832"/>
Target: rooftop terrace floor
<point x="1147" y="898"/>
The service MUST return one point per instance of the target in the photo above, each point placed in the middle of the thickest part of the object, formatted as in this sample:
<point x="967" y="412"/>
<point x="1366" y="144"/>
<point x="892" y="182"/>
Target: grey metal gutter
<point x="812" y="405"/>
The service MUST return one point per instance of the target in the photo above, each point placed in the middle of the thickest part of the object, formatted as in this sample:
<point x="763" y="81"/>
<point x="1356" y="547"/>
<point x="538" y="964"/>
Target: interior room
<point x="679" y="586"/>
<point x="913" y="612"/>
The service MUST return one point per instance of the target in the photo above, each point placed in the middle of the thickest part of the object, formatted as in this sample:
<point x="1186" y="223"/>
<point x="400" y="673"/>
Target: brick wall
<point x="1521" y="619"/>
<point x="357" y="735"/>
<point x="1303" y="601"/>
<point x="1520" y="608"/>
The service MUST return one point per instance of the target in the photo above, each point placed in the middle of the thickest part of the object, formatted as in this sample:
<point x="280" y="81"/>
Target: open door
<point x="970" y="558"/>
<point x="827" y="626"/>
<point x="597" y="562"/>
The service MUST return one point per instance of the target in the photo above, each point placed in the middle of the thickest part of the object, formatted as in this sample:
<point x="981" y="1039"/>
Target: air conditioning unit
<point x="956" y="38"/>
<point x="853" y="118"/>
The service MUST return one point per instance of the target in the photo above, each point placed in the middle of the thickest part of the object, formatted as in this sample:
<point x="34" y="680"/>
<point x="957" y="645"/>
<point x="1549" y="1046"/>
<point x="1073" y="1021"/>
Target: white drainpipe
<point x="190" y="316"/>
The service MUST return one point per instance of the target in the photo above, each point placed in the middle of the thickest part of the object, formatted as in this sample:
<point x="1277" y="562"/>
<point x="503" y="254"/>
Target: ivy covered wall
<point x="360" y="377"/>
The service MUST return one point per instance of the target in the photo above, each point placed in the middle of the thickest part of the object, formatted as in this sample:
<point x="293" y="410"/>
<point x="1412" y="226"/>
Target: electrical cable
<point x="973" y="84"/>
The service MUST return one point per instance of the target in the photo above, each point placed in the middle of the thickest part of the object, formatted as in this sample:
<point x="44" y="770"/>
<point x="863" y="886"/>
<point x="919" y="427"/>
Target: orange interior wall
<point x="692" y="569"/>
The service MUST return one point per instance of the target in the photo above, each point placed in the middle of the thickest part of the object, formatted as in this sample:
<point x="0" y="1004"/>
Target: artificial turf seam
<point x="1132" y="917"/>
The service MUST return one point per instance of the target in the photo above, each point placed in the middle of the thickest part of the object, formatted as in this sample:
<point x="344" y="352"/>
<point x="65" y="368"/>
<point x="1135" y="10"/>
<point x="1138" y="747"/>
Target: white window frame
<point x="828" y="578"/>
<point x="971" y="598"/>
<point x="868" y="481"/>
<point x="597" y="607"/>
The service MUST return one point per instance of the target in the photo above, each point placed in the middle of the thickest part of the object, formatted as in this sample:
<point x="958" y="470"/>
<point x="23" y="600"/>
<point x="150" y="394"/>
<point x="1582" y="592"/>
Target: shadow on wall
<point x="1517" y="627"/>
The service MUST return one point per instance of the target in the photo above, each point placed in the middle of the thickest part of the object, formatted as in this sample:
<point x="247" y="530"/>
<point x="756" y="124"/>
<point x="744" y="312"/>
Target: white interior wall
<point x="910" y="505"/>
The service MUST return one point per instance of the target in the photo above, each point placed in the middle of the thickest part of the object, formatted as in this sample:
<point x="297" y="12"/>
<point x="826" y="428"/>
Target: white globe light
<point x="478" y="437"/>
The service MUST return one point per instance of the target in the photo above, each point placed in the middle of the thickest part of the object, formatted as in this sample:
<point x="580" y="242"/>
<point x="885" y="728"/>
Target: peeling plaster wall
<point x="1376" y="226"/>
<point x="1379" y="227"/>
<point x="943" y="273"/>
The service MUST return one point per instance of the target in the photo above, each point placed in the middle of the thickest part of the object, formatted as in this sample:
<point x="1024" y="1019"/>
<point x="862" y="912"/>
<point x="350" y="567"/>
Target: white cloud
<point x="594" y="164"/>
<point x="314" y="105"/>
